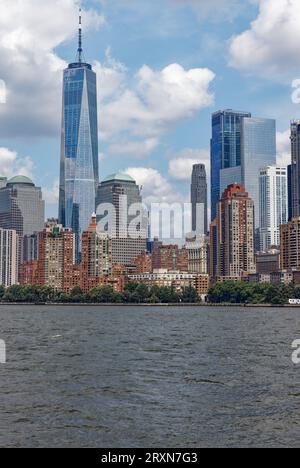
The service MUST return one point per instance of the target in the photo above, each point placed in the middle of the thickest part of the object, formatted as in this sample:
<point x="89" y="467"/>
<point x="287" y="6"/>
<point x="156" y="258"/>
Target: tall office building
<point x="199" y="200"/>
<point x="21" y="206"/>
<point x="235" y="233"/>
<point x="225" y="149"/>
<point x="290" y="195"/>
<point x="258" y="150"/>
<point x="295" y="168"/>
<point x="8" y="257"/>
<point x="273" y="205"/>
<point x="79" y="173"/>
<point x="121" y="193"/>
<point x="241" y="146"/>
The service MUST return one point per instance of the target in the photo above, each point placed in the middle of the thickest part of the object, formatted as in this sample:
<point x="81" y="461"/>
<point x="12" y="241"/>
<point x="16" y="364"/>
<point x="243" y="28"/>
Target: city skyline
<point x="128" y="68"/>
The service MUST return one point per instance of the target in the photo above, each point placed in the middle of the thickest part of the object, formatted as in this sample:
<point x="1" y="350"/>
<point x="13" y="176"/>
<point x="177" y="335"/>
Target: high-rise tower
<point x="79" y="173"/>
<point x="199" y="199"/>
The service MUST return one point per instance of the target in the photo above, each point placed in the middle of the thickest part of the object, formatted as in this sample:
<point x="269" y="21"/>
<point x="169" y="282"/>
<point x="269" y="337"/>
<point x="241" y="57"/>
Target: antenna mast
<point x="80" y="38"/>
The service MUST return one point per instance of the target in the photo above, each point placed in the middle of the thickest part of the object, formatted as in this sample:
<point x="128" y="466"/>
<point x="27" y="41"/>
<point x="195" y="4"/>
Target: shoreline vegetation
<point x="227" y="294"/>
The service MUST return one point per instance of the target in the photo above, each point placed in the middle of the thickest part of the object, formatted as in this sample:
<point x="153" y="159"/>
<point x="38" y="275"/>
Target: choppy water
<point x="149" y="377"/>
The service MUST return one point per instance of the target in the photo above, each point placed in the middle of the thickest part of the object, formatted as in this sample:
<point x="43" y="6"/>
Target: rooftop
<point x="20" y="179"/>
<point x="118" y="177"/>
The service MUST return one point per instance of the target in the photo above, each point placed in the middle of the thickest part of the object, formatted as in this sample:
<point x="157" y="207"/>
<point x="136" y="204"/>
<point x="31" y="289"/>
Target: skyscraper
<point x="235" y="233"/>
<point x="21" y="206"/>
<point x="295" y="169"/>
<point x="290" y="194"/>
<point x="225" y="149"/>
<point x="79" y="173"/>
<point x="241" y="146"/>
<point x="273" y="205"/>
<point x="258" y="151"/>
<point x="8" y="257"/>
<point x="199" y="199"/>
<point x="120" y="192"/>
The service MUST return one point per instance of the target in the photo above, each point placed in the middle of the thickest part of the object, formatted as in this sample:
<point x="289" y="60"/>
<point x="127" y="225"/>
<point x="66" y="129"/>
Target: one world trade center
<point x="79" y="173"/>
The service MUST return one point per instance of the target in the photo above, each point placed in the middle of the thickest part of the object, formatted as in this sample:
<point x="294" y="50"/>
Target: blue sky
<point x="163" y="67"/>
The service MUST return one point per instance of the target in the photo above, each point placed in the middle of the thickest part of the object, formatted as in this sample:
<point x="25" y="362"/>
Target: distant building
<point x="169" y="258"/>
<point x="121" y="192"/>
<point x="56" y="259"/>
<point x="290" y="199"/>
<point x="226" y="150"/>
<point x="295" y="168"/>
<point x="235" y="231"/>
<point x="96" y="256"/>
<point x="143" y="263"/>
<point x="79" y="172"/>
<point x="174" y="279"/>
<point x="8" y="257"/>
<point x="198" y="254"/>
<point x="273" y="205"/>
<point x="199" y="200"/>
<point x="241" y="146"/>
<point x="21" y="206"/>
<point x="213" y="249"/>
<point x="290" y="245"/>
<point x="267" y="262"/>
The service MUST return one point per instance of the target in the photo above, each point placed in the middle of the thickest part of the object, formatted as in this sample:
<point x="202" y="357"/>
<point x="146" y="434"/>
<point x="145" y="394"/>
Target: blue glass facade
<point x="225" y="149"/>
<point x="258" y="151"/>
<point x="79" y="173"/>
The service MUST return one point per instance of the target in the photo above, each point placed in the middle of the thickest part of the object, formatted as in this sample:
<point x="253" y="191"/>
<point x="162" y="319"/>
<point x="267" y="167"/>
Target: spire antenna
<point x="80" y="38"/>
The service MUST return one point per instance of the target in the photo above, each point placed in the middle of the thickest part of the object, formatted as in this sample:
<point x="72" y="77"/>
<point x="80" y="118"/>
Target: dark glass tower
<point x="225" y="149"/>
<point x="79" y="173"/>
<point x="295" y="169"/>
<point x="199" y="199"/>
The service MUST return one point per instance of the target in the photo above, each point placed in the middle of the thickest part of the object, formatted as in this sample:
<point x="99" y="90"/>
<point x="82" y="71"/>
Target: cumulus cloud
<point x="31" y="30"/>
<point x="51" y="194"/>
<point x="138" y="149"/>
<point x="283" y="148"/>
<point x="156" y="188"/>
<point x="271" y="44"/>
<point x="11" y="164"/>
<point x="180" y="168"/>
<point x="155" y="102"/>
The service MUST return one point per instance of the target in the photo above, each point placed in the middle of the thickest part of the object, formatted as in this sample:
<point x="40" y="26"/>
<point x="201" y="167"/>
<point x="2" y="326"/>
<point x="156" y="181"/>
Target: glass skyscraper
<point x="79" y="173"/>
<point x="225" y="150"/>
<point x="241" y="146"/>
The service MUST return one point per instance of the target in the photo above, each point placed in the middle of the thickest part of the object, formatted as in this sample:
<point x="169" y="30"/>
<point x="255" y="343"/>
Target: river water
<point x="149" y="377"/>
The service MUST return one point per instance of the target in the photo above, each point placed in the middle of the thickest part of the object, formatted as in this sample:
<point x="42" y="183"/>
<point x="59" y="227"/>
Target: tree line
<point x="252" y="293"/>
<point x="134" y="293"/>
<point x="138" y="293"/>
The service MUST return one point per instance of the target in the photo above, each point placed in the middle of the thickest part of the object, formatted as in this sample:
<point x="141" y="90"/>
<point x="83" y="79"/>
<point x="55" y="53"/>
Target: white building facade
<point x="273" y="205"/>
<point x="8" y="257"/>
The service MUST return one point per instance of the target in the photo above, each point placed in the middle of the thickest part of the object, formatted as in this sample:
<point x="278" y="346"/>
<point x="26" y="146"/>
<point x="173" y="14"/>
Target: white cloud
<point x="31" y="30"/>
<point x="51" y="194"/>
<point x="156" y="188"/>
<point x="156" y="101"/>
<point x="283" y="148"/>
<point x="138" y="149"/>
<point x="12" y="165"/>
<point x="271" y="45"/>
<point x="180" y="168"/>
